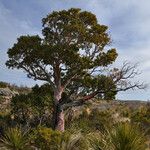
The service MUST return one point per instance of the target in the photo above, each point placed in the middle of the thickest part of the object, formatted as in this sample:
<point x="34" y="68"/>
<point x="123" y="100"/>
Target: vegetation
<point x="120" y="137"/>
<point x="72" y="56"/>
<point x="46" y="139"/>
<point x="3" y="84"/>
<point x="87" y="127"/>
<point x="34" y="108"/>
<point x="15" y="139"/>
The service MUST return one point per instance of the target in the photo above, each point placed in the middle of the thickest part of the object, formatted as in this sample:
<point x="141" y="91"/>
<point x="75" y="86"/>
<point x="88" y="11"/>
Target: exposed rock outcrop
<point x="7" y="92"/>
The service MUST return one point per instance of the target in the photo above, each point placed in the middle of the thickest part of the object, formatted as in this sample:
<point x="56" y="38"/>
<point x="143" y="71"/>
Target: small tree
<point x="33" y="108"/>
<point x="73" y="47"/>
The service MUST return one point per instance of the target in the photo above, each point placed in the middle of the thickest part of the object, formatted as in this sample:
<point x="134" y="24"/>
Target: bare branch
<point x="122" y="79"/>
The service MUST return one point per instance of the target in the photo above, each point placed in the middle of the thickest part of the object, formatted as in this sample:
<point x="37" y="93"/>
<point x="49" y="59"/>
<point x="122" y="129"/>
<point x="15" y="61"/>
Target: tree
<point x="34" y="108"/>
<point x="73" y="47"/>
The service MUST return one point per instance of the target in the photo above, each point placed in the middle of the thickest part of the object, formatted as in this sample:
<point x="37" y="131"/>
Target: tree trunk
<point x="60" y="121"/>
<point x="58" y="115"/>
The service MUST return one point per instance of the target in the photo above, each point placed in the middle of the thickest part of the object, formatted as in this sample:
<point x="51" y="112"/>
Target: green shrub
<point x="127" y="137"/>
<point x="15" y="139"/>
<point x="99" y="141"/>
<point x="76" y="142"/>
<point x="142" y="117"/>
<point x="34" y="108"/>
<point x="4" y="122"/>
<point x="120" y="137"/>
<point x="48" y="139"/>
<point x="95" y="120"/>
<point x="3" y="84"/>
<point x="125" y="111"/>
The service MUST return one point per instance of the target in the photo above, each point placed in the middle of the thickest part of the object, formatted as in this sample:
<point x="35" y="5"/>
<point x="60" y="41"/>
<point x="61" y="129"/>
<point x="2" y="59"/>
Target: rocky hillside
<point x="7" y="91"/>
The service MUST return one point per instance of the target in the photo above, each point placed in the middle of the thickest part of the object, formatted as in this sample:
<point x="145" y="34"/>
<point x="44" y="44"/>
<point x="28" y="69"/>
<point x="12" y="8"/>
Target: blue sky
<point x="128" y="22"/>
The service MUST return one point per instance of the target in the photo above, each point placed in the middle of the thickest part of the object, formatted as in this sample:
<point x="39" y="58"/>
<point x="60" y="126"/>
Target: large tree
<point x="73" y="49"/>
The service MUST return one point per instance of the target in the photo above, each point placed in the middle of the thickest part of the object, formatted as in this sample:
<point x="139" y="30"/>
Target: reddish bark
<point x="59" y="121"/>
<point x="88" y="97"/>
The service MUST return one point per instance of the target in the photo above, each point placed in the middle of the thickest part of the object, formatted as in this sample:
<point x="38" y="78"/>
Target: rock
<point x="7" y="92"/>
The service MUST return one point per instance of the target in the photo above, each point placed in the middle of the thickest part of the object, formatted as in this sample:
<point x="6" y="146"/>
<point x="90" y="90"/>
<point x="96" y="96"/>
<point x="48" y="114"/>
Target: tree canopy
<point x="73" y="45"/>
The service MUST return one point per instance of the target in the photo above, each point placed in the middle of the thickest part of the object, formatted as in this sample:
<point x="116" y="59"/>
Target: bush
<point x="3" y="84"/>
<point x="15" y="139"/>
<point x="48" y="139"/>
<point x="120" y="137"/>
<point x="127" y="137"/>
<point x="34" y="108"/>
<point x="142" y="117"/>
<point x="95" y="120"/>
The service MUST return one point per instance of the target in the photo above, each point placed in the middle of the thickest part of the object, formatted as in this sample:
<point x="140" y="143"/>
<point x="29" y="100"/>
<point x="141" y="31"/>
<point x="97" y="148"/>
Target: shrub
<point x="48" y="139"/>
<point x="121" y="137"/>
<point x="96" y="120"/>
<point x="15" y="139"/>
<point x="141" y="116"/>
<point x="3" y="84"/>
<point x="76" y="142"/>
<point x="34" y="108"/>
<point x="99" y="141"/>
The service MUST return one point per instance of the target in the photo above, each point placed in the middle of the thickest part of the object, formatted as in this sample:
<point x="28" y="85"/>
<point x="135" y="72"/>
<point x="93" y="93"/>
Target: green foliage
<point x="1" y="99"/>
<point x="142" y="117"/>
<point x="120" y="137"/>
<point x="68" y="36"/>
<point x="104" y="84"/>
<point x="33" y="108"/>
<point x="91" y="121"/>
<point x="82" y="30"/>
<point x="101" y="83"/>
<point x="15" y="139"/>
<point x="46" y="139"/>
<point x="127" y="137"/>
<point x="5" y="121"/>
<point x="3" y="84"/>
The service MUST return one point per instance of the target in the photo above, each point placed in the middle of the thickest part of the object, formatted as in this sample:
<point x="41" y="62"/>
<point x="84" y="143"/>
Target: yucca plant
<point x="76" y="142"/>
<point x="127" y="137"/>
<point x="99" y="141"/>
<point x="15" y="139"/>
<point x="120" y="137"/>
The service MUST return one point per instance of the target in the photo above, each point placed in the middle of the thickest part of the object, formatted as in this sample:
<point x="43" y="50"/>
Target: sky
<point x="128" y="22"/>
